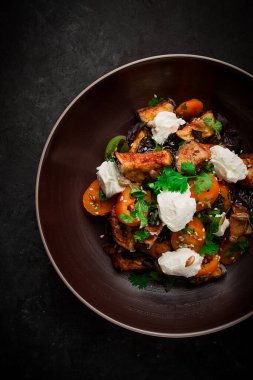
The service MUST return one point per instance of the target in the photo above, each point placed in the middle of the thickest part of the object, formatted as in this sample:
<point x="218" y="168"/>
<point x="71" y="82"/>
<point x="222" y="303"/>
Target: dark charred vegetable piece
<point x="245" y="196"/>
<point x="136" y="142"/>
<point x="157" y="249"/>
<point x="137" y="166"/>
<point x="148" y="114"/>
<point x="125" y="264"/>
<point x="232" y="140"/>
<point x="239" y="223"/>
<point x="133" y="132"/>
<point x="121" y="234"/>
<point x="154" y="232"/>
<point x="248" y="161"/>
<point x="193" y="152"/>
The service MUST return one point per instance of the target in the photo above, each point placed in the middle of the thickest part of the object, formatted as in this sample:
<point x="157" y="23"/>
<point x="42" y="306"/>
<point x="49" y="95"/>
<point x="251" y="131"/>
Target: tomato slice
<point x="208" y="197"/>
<point x="93" y="204"/>
<point x="189" y="109"/>
<point x="125" y="205"/>
<point x="210" y="267"/>
<point x="194" y="236"/>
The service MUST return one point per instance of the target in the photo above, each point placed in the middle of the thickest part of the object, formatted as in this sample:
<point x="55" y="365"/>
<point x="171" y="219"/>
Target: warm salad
<point x="176" y="192"/>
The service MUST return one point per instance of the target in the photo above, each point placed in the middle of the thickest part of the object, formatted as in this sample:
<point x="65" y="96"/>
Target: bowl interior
<point x="72" y="237"/>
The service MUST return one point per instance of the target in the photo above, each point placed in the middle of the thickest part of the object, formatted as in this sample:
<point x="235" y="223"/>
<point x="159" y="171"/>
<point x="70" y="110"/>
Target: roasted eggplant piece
<point x="199" y="125"/>
<point x="157" y="249"/>
<point x="147" y="114"/>
<point x="194" y="152"/>
<point x="123" y="261"/>
<point x="248" y="161"/>
<point x="137" y="166"/>
<point x="121" y="234"/>
<point x="239" y="223"/>
<point x="136" y="142"/>
<point x="154" y="232"/>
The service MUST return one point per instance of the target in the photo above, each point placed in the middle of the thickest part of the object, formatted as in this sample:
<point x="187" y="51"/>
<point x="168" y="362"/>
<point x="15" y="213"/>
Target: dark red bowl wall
<point x="75" y="150"/>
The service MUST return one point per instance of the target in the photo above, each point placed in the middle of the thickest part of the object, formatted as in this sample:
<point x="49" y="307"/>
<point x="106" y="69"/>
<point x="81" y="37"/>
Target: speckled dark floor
<point x="50" y="50"/>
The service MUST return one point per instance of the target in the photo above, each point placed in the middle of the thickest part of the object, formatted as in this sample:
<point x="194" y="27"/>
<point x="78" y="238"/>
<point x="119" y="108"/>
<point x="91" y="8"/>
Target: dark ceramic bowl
<point x="68" y="164"/>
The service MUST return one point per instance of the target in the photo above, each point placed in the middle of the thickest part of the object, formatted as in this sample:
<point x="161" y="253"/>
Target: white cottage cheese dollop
<point x="176" y="263"/>
<point x="176" y="209"/>
<point x="223" y="226"/>
<point x="228" y="165"/>
<point x="108" y="175"/>
<point x="164" y="124"/>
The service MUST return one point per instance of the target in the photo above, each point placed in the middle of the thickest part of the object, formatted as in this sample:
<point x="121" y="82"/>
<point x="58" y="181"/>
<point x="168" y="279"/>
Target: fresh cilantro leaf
<point x="140" y="209"/>
<point x="241" y="246"/>
<point x="137" y="192"/>
<point x="102" y="196"/>
<point x="214" y="225"/>
<point x="188" y="167"/>
<point x="208" y="167"/>
<point x="210" y="248"/>
<point x="139" y="280"/>
<point x="217" y="126"/>
<point x="202" y="183"/>
<point x="170" y="180"/>
<point x="181" y="143"/>
<point x="155" y="101"/>
<point x="155" y="276"/>
<point x="188" y="230"/>
<point x="184" y="106"/>
<point x="126" y="218"/>
<point x="141" y="234"/>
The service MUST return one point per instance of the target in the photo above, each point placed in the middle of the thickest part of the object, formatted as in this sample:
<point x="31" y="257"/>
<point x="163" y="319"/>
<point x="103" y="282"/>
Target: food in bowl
<point x="176" y="193"/>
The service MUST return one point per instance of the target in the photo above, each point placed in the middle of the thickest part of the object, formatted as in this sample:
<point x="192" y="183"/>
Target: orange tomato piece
<point x="124" y="205"/>
<point x="210" y="267"/>
<point x="93" y="204"/>
<point x="189" y="109"/>
<point x="194" y="237"/>
<point x="225" y="193"/>
<point x="208" y="197"/>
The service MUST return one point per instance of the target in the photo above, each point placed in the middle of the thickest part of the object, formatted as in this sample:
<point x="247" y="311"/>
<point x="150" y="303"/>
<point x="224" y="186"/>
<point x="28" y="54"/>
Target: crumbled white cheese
<point x="223" y="226"/>
<point x="164" y="124"/>
<point x="176" y="209"/>
<point x="228" y="165"/>
<point x="182" y="262"/>
<point x="107" y="175"/>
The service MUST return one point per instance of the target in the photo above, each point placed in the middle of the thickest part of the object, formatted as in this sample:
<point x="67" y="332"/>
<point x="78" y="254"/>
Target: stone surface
<point x="50" y="50"/>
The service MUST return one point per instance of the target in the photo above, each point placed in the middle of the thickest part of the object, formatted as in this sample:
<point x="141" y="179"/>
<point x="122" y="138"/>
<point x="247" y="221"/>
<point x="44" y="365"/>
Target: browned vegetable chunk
<point x="194" y="152"/>
<point x="122" y="263"/>
<point x="239" y="223"/>
<point x="122" y="235"/>
<point x="137" y="141"/>
<point x="147" y="114"/>
<point x="199" y="125"/>
<point x="248" y="160"/>
<point x="154" y="232"/>
<point x="136" y="166"/>
<point x="157" y="249"/>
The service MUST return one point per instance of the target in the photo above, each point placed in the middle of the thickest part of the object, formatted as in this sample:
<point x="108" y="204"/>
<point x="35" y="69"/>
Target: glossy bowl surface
<point x="68" y="164"/>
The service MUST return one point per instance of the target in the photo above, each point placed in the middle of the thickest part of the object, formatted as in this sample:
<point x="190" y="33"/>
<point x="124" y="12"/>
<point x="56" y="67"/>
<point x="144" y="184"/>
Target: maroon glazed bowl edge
<point x="68" y="164"/>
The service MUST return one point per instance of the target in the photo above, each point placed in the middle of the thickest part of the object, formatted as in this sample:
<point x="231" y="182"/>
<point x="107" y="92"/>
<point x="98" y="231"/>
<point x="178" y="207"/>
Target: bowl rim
<point x="86" y="89"/>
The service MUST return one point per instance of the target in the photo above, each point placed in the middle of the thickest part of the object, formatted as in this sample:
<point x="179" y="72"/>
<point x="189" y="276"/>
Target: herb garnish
<point x="141" y="208"/>
<point x="184" y="106"/>
<point x="141" y="280"/>
<point x="208" y="167"/>
<point x="141" y="234"/>
<point x="217" y="126"/>
<point x="209" y="248"/>
<point x="188" y="167"/>
<point x="102" y="196"/>
<point x="202" y="183"/>
<point x="155" y="101"/>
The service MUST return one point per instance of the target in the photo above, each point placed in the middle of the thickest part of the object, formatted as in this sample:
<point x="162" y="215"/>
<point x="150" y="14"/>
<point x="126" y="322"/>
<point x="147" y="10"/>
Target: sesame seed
<point x="91" y="188"/>
<point x="101" y="236"/>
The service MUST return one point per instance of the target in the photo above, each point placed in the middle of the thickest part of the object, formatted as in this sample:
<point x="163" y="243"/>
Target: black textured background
<point x="50" y="50"/>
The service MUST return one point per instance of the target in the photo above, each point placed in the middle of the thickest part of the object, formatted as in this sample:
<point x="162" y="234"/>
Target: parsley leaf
<point x="209" y="248"/>
<point x="140" y="209"/>
<point x="202" y="183"/>
<point x="155" y="101"/>
<point x="139" y="280"/>
<point x="157" y="147"/>
<point x="170" y="180"/>
<point x="168" y="283"/>
<point x="217" y="126"/>
<point x="141" y="234"/>
<point x="184" y="106"/>
<point x="137" y="192"/>
<point x="188" y="167"/>
<point x="241" y="246"/>
<point x="102" y="196"/>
